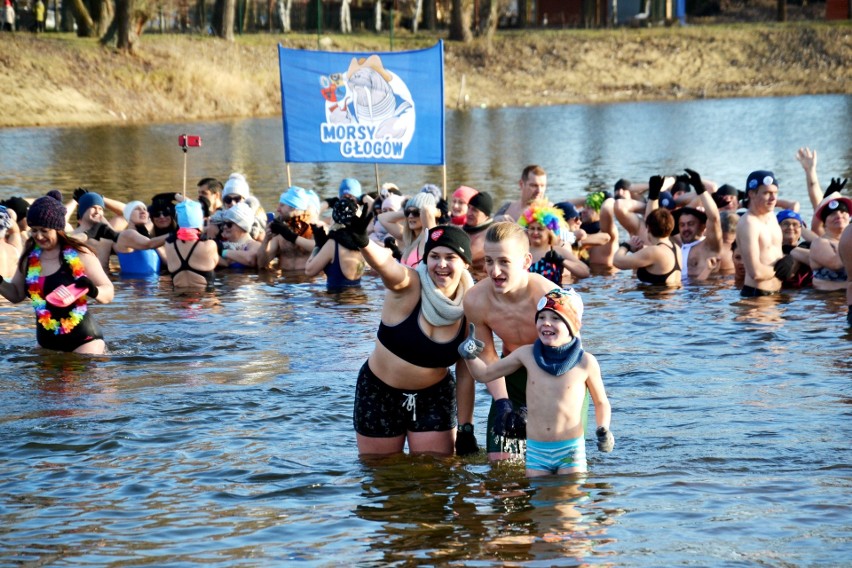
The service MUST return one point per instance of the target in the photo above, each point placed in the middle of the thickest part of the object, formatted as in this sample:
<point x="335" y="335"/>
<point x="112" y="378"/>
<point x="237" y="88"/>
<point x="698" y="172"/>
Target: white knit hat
<point x="236" y="184"/>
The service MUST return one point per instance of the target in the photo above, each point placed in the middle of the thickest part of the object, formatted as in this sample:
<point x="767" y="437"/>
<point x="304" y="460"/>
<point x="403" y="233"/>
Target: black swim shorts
<point x="752" y="292"/>
<point x="382" y="411"/>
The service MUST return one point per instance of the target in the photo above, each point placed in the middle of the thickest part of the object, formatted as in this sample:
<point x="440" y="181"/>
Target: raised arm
<point x="808" y="159"/>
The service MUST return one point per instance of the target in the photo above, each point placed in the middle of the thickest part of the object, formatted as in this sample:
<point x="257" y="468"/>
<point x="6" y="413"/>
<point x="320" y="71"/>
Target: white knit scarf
<point x="436" y="307"/>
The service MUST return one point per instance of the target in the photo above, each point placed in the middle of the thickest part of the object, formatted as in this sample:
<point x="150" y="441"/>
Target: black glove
<point x="785" y="267"/>
<point x="320" y="236"/>
<point x="626" y="245"/>
<point x="390" y="243"/>
<point x="78" y="193"/>
<point x="102" y="231"/>
<point x="360" y="225"/>
<point x="516" y="424"/>
<point x="606" y="441"/>
<point x="835" y="186"/>
<point x="504" y="409"/>
<point x="84" y="282"/>
<point x="554" y="257"/>
<point x="655" y="186"/>
<point x="283" y="230"/>
<point x="330" y="201"/>
<point x="695" y="181"/>
<point x="466" y="440"/>
<point x="471" y="347"/>
<point x="344" y="211"/>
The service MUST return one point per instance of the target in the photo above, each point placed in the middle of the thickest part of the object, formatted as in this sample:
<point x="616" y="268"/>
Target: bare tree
<point x="223" y="19"/>
<point x="284" y="8"/>
<point x="460" y="18"/>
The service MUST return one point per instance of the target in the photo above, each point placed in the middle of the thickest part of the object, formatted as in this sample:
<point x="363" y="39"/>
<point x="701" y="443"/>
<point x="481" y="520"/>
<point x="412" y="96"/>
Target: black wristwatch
<point x="466" y="428"/>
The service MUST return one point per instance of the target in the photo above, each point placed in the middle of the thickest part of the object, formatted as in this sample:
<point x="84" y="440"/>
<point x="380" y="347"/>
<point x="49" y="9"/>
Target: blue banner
<point x="385" y="107"/>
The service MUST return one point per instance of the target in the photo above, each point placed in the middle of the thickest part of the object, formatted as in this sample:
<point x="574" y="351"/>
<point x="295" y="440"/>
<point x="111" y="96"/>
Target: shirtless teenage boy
<point x="504" y="304"/>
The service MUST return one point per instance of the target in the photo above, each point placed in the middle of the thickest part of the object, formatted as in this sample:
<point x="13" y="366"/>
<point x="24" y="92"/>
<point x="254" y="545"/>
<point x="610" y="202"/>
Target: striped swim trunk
<point x="554" y="456"/>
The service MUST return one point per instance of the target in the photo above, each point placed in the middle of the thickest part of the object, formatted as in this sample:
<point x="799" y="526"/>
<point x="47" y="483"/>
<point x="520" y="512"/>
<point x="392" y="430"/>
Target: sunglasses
<point x="159" y="214"/>
<point x="232" y="199"/>
<point x="412" y="212"/>
<point x="229" y="224"/>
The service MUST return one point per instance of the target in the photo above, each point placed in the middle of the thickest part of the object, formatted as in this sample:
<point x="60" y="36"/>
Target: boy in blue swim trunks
<point x="558" y="374"/>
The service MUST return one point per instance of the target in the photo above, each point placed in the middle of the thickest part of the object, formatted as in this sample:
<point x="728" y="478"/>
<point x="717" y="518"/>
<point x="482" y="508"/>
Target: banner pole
<point x="378" y="187"/>
<point x="289" y="183"/>
<point x="444" y="170"/>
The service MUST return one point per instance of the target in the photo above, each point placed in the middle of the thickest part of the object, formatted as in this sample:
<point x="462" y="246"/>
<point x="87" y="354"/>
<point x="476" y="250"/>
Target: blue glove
<point x="504" y="411"/>
<point x="471" y="347"/>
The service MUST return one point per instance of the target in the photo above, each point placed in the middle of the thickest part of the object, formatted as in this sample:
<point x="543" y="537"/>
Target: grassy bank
<point x="60" y="79"/>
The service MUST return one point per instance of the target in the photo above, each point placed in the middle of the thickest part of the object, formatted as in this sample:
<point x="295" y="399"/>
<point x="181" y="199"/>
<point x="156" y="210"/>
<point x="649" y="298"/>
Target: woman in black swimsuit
<point x="659" y="263"/>
<point x="51" y="259"/>
<point x="191" y="258"/>
<point x="406" y="391"/>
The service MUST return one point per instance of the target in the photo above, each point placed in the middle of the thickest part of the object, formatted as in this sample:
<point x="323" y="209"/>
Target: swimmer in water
<point x="558" y="374"/>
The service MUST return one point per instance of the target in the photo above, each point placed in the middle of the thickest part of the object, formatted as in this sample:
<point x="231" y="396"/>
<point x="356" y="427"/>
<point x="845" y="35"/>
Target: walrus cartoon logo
<point x="369" y="111"/>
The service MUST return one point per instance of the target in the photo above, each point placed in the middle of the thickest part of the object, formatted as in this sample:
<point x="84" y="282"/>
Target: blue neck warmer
<point x="558" y="360"/>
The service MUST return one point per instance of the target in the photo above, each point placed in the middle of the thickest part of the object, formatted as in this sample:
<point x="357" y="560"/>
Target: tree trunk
<point x="377" y="11"/>
<point x="126" y="33"/>
<point x="782" y="10"/>
<point x="418" y="12"/>
<point x="430" y="15"/>
<point x="224" y="13"/>
<point x="489" y="22"/>
<point x="85" y="24"/>
<point x="460" y="15"/>
<point x="284" y="7"/>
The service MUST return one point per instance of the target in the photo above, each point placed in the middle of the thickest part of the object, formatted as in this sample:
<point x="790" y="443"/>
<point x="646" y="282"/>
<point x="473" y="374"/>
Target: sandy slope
<point x="59" y="79"/>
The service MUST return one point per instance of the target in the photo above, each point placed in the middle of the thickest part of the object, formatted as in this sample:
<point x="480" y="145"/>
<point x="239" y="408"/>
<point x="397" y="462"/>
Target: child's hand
<point x="471" y="347"/>
<point x="606" y="441"/>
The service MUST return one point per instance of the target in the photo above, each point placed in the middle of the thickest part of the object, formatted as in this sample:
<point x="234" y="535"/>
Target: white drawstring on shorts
<point x="410" y="403"/>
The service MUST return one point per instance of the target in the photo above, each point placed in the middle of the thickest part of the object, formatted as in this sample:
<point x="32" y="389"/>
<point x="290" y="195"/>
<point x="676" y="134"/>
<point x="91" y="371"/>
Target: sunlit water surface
<point x="218" y="430"/>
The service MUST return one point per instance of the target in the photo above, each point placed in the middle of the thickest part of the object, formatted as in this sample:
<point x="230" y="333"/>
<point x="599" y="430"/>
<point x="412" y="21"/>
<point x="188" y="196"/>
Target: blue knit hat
<point x="297" y="198"/>
<point x="88" y="200"/>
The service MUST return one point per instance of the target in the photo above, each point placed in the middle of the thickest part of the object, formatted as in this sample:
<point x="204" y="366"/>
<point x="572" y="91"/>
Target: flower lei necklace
<point x="43" y="315"/>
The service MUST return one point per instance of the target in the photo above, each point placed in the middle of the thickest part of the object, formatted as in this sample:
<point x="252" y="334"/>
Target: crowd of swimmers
<point x="458" y="273"/>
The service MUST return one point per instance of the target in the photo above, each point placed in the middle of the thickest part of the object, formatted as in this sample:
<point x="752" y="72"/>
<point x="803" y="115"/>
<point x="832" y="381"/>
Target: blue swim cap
<point x="189" y="214"/>
<point x="789" y="214"/>
<point x="296" y="197"/>
<point x="349" y="186"/>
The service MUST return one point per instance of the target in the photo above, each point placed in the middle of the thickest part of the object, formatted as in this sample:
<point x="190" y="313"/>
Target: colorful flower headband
<point x="544" y="214"/>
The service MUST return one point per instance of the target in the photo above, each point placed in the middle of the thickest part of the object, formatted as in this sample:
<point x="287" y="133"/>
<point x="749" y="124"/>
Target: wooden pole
<point x="378" y="187"/>
<point x="289" y="182"/>
<point x="444" y="171"/>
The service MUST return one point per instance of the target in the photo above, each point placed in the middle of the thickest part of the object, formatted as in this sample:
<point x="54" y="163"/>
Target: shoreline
<point x="62" y="80"/>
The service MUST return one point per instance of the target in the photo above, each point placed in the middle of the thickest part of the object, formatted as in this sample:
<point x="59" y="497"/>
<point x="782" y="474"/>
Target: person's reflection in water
<point x="560" y="521"/>
<point x="413" y="497"/>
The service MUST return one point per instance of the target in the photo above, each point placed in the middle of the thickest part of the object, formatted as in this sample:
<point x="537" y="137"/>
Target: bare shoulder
<point x="477" y="296"/>
<point x="539" y="285"/>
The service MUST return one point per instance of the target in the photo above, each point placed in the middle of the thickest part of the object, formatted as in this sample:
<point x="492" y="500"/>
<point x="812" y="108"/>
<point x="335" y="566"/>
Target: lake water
<point x="218" y="430"/>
